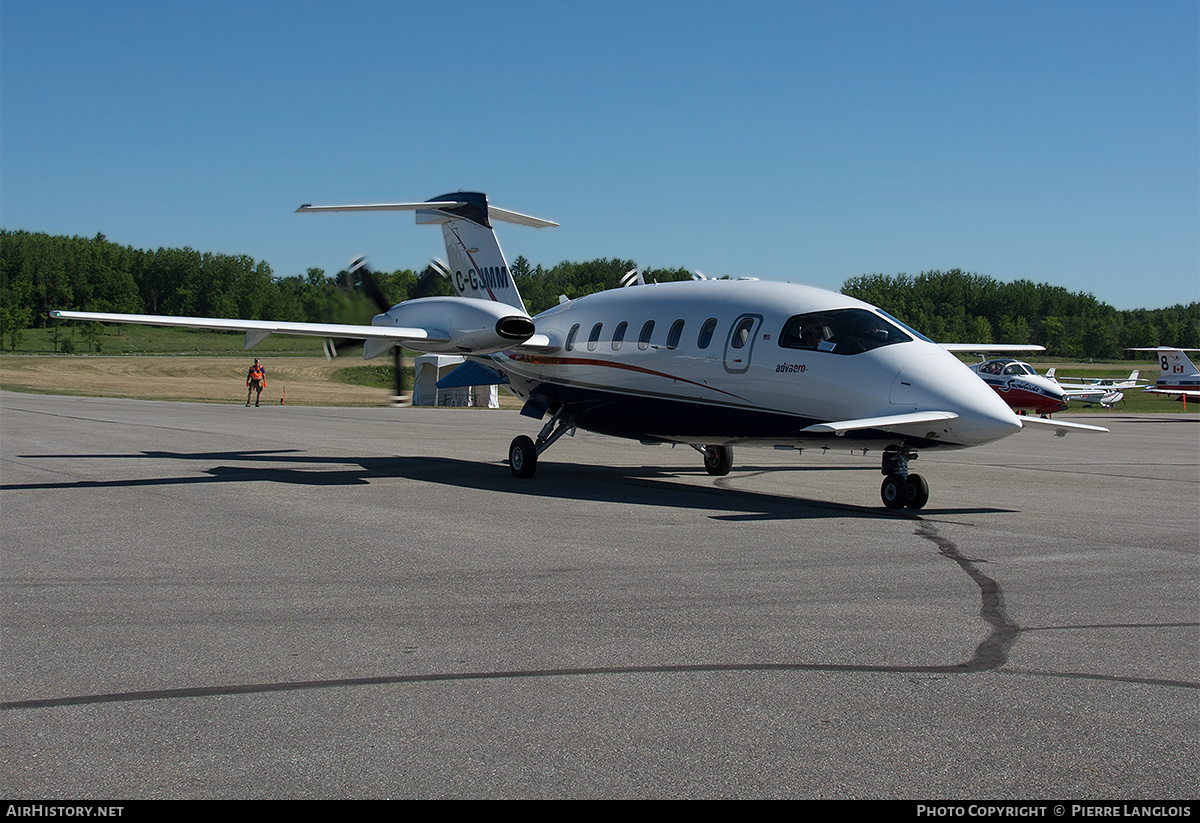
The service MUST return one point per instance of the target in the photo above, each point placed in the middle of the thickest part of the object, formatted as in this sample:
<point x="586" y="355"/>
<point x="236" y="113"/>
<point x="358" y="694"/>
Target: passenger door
<point x="739" y="345"/>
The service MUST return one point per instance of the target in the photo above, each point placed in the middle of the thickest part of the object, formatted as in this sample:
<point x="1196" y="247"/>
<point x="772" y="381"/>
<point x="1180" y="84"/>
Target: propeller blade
<point x="633" y="277"/>
<point x="427" y="281"/>
<point x="360" y="271"/>
<point x="366" y="278"/>
<point x="404" y="398"/>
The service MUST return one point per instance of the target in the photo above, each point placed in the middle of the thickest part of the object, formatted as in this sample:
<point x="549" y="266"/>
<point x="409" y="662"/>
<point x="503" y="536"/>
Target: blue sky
<point x="1051" y="141"/>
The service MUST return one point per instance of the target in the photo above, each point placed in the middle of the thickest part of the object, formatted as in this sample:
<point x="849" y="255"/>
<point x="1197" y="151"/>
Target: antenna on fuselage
<point x="633" y="278"/>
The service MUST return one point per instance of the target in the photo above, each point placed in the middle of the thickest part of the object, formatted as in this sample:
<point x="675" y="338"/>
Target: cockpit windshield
<point x="842" y="331"/>
<point x="1008" y="367"/>
<point x="906" y="327"/>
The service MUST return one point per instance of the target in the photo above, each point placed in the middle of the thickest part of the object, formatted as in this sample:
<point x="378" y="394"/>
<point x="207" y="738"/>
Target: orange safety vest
<point x="256" y="373"/>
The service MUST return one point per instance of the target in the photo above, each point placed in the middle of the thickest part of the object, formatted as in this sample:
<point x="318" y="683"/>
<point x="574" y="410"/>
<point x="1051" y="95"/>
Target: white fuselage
<point x="717" y="368"/>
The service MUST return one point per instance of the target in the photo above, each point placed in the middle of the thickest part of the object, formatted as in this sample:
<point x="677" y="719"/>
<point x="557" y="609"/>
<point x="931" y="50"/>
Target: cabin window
<point x="706" y="333"/>
<point x="571" y="335"/>
<point x="644" y="338"/>
<point x="741" y="335"/>
<point x="619" y="335"/>
<point x="674" y="334"/>
<point x="594" y="337"/>
<point x="841" y="331"/>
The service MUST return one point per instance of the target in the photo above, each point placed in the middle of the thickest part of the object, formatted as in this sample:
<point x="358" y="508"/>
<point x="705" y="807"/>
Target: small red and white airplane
<point x="1178" y="377"/>
<point x="708" y="363"/>
<point x="1022" y="388"/>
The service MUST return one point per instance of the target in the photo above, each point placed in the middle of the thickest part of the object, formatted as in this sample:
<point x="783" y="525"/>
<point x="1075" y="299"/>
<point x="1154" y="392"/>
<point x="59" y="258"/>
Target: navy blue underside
<point x="652" y="418"/>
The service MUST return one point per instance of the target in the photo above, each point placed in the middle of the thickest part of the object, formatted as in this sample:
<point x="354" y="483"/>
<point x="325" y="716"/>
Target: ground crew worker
<point x="256" y="380"/>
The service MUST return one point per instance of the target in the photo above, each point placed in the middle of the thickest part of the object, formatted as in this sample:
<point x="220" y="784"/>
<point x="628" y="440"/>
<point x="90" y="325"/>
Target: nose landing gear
<point x="900" y="489"/>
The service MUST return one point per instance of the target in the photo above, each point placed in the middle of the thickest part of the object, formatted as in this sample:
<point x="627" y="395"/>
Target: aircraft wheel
<point x="718" y="460"/>
<point x="894" y="491"/>
<point x="918" y="492"/>
<point x="522" y="457"/>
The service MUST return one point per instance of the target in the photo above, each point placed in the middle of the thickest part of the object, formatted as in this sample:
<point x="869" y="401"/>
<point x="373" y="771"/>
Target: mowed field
<point x="309" y="381"/>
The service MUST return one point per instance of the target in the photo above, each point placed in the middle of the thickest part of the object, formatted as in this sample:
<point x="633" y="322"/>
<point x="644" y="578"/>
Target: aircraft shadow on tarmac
<point x="641" y="485"/>
<point x="984" y="660"/>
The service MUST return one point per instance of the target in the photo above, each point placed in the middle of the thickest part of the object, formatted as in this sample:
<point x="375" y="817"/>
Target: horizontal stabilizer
<point x="885" y="423"/>
<point x="493" y="212"/>
<point x="434" y="204"/>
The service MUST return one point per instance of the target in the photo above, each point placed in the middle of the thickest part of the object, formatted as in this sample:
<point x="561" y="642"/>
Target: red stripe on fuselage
<point x="541" y="360"/>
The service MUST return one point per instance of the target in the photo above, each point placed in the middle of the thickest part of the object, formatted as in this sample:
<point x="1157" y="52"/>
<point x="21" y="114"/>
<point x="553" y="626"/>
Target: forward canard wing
<point x="885" y="423"/>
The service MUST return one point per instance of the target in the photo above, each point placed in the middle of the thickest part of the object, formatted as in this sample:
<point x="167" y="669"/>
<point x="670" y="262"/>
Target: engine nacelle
<point x="471" y="326"/>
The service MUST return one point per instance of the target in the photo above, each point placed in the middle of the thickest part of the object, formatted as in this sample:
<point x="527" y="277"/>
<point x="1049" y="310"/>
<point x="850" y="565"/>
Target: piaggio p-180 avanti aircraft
<point x="708" y="363"/>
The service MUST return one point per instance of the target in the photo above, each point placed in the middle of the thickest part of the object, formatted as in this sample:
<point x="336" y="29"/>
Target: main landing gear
<point x="900" y="489"/>
<point x="523" y="451"/>
<point x="718" y="460"/>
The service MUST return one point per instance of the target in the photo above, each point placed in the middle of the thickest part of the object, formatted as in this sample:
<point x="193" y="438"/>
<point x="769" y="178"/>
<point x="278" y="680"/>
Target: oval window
<point x="644" y="338"/>
<point x="619" y="335"/>
<point x="674" y="335"/>
<point x="741" y="335"/>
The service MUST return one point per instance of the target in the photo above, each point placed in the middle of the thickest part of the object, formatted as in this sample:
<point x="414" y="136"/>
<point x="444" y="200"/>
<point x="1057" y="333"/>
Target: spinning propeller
<point x="427" y="284"/>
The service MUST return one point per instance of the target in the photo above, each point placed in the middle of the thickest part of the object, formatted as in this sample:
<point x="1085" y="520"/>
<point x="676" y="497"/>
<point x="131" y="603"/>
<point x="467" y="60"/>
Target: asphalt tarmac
<point x="206" y="601"/>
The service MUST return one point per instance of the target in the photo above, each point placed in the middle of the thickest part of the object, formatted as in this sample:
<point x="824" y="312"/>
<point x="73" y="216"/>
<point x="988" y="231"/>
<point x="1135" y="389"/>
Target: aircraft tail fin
<point x="1173" y="364"/>
<point x="477" y="267"/>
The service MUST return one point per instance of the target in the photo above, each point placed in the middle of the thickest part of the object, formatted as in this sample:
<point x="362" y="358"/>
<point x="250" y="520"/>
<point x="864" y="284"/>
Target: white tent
<point x="430" y="368"/>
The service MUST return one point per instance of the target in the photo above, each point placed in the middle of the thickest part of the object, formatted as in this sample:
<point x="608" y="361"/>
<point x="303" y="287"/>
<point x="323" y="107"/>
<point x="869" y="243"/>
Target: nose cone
<point x="938" y="381"/>
<point x="1044" y="396"/>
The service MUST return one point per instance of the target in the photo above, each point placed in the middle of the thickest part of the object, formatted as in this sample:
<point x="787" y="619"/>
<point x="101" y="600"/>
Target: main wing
<point x="980" y="348"/>
<point x="257" y="330"/>
<point x="1060" y="427"/>
<point x="480" y="334"/>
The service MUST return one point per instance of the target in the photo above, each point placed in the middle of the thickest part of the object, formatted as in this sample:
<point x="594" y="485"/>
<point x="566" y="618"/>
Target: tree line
<point x="957" y="307"/>
<point x="40" y="272"/>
